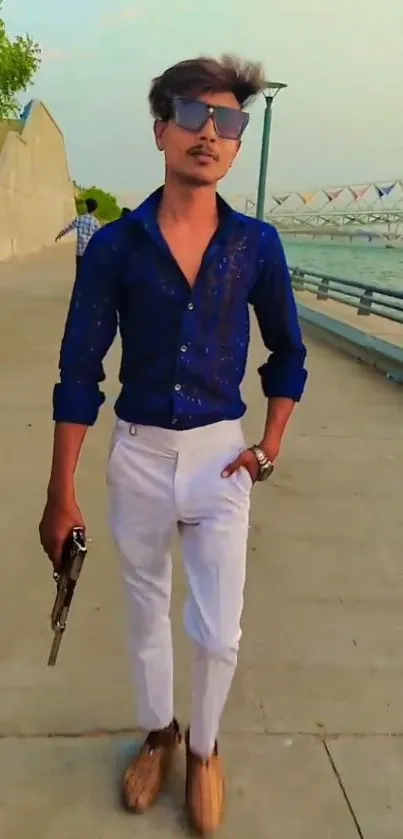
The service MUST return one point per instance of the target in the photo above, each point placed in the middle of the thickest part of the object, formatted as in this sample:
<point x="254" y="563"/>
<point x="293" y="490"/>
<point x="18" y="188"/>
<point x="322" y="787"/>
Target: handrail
<point x="366" y="298"/>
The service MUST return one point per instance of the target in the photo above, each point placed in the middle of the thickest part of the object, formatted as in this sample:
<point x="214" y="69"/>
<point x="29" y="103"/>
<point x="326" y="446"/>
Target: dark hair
<point x="124" y="211"/>
<point x="244" y="79"/>
<point x="91" y="205"/>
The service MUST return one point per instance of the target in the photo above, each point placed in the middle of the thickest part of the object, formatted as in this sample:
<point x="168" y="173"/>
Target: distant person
<point x="86" y="225"/>
<point x="125" y="211"/>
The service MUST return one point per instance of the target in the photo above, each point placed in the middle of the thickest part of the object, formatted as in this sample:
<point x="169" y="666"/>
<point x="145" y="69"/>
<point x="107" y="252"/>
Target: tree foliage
<point x="108" y="208"/>
<point x="19" y="60"/>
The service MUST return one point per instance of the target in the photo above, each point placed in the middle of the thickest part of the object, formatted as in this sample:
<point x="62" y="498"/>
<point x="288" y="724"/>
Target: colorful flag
<point x="307" y="196"/>
<point x="384" y="191"/>
<point x="281" y="199"/>
<point x="332" y="194"/>
<point x="360" y="191"/>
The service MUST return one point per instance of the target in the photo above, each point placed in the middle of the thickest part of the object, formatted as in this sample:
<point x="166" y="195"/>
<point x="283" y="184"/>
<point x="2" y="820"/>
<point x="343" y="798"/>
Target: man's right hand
<point x="59" y="517"/>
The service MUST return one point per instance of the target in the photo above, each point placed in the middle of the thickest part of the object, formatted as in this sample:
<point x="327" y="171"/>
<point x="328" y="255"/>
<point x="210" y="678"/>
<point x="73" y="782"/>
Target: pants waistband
<point x="226" y="432"/>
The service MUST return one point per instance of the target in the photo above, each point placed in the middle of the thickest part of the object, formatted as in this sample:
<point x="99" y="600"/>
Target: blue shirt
<point x="184" y="349"/>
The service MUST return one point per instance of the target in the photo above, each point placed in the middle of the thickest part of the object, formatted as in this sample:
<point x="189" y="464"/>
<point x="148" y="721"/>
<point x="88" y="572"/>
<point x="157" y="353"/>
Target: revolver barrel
<point x="73" y="555"/>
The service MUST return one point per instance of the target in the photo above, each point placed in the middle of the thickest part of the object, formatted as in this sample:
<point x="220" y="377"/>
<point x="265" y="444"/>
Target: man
<point x="86" y="225"/>
<point x="177" y="275"/>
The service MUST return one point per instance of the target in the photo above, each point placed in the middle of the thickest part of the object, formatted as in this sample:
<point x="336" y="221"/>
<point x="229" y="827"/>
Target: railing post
<point x="365" y="304"/>
<point x="323" y="289"/>
<point x="297" y="279"/>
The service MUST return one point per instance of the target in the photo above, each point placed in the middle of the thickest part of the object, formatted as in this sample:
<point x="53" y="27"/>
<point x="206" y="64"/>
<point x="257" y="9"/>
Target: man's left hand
<point x="248" y="460"/>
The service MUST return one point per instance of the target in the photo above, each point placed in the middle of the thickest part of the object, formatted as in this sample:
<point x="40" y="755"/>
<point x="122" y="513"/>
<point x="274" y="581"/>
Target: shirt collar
<point x="146" y="214"/>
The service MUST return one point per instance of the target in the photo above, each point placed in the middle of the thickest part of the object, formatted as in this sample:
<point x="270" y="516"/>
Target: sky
<point x="339" y="121"/>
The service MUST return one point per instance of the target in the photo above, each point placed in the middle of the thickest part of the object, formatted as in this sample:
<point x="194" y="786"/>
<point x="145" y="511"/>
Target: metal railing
<point x="366" y="298"/>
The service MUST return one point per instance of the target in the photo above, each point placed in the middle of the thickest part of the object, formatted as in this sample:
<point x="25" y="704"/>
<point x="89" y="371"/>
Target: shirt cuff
<point x="283" y="378"/>
<point x="76" y="402"/>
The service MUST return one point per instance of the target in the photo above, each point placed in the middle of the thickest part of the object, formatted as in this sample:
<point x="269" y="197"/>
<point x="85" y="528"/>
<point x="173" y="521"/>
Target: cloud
<point x="56" y="56"/>
<point x="121" y="16"/>
<point x="53" y="55"/>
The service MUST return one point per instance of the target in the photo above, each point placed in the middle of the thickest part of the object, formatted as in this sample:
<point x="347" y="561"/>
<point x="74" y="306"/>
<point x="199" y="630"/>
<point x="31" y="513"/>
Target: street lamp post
<point x="272" y="89"/>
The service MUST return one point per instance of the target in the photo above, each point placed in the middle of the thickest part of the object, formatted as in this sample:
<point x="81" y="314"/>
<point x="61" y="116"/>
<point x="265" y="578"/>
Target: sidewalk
<point x="313" y="733"/>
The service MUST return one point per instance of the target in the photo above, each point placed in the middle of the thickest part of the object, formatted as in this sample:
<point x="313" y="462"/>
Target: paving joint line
<point x="93" y="733"/>
<point x="343" y="790"/>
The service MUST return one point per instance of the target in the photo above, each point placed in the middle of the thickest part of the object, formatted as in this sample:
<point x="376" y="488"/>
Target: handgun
<point x="72" y="560"/>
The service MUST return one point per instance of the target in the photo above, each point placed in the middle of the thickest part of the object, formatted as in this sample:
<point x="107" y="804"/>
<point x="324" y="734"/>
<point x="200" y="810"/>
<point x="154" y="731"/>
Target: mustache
<point x="206" y="150"/>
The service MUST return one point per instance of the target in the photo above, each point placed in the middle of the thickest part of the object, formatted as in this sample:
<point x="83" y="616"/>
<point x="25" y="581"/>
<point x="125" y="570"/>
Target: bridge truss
<point x="386" y="225"/>
<point x="370" y="211"/>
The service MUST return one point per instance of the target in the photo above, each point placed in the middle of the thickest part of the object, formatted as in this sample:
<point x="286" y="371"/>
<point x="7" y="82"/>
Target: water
<point x="353" y="261"/>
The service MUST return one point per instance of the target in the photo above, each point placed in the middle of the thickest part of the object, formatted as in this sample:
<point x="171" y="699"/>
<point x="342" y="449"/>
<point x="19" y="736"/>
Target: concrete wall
<point x="36" y="192"/>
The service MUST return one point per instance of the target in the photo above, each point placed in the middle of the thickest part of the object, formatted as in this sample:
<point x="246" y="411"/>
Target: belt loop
<point x="133" y="430"/>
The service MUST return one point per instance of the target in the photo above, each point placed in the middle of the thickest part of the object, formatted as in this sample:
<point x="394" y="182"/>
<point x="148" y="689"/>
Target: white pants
<point x="158" y="478"/>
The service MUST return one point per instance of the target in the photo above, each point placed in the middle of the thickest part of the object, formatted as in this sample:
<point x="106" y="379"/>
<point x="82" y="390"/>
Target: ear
<point x="159" y="129"/>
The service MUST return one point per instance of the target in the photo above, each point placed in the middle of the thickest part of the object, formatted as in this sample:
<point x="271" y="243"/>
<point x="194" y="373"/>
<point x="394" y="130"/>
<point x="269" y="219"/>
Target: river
<point x="353" y="261"/>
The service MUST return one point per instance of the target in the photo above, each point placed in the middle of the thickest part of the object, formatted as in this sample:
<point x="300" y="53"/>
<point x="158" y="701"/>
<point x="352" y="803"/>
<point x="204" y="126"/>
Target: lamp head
<point x="272" y="89"/>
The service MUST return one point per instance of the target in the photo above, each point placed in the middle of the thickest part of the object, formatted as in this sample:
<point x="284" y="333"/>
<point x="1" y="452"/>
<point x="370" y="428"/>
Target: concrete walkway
<point x="313" y="733"/>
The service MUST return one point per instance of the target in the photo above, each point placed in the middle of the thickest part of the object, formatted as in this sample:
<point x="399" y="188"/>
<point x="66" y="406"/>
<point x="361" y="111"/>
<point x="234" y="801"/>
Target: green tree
<point x="19" y="60"/>
<point x="108" y="208"/>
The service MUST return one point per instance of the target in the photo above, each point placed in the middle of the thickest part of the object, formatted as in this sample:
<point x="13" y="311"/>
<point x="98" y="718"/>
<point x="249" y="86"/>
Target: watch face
<point x="266" y="471"/>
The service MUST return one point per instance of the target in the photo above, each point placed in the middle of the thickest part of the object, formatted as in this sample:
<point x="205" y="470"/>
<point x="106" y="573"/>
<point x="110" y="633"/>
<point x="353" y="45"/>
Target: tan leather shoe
<point x="205" y="790"/>
<point x="146" y="774"/>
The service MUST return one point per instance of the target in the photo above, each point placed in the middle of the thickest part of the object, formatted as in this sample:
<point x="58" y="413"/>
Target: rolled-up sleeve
<point x="90" y="329"/>
<point x="272" y="297"/>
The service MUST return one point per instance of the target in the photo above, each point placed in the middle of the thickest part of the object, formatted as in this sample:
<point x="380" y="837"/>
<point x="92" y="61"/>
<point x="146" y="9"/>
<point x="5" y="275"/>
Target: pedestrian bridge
<point x="313" y="733"/>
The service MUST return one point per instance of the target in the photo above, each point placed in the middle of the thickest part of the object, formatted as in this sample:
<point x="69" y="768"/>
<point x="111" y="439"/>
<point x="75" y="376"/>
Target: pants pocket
<point x="246" y="477"/>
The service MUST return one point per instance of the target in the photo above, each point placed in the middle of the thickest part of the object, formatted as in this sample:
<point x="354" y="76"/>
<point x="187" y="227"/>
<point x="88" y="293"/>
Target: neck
<point x="181" y="202"/>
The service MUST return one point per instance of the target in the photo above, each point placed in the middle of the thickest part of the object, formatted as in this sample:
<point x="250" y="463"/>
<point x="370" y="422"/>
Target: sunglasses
<point x="192" y="115"/>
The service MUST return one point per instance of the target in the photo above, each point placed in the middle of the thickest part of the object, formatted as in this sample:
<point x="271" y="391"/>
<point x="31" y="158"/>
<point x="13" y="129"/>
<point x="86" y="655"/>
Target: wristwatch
<point x="266" y="467"/>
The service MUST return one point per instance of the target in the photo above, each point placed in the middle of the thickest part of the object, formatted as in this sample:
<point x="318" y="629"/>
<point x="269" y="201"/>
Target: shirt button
<point x="178" y="387"/>
<point x="183" y="348"/>
<point x="190" y="306"/>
